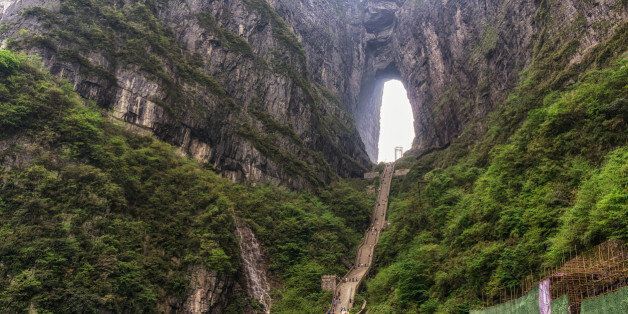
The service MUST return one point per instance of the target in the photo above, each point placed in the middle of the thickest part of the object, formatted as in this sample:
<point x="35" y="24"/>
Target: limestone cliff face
<point x="254" y="267"/>
<point x="289" y="91"/>
<point x="298" y="84"/>
<point x="208" y="293"/>
<point x="460" y="59"/>
<point x="233" y="83"/>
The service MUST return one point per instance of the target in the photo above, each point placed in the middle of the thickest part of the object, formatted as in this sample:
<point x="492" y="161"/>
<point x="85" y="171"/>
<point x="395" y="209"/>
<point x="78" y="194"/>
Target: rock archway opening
<point x="396" y="121"/>
<point x="385" y="116"/>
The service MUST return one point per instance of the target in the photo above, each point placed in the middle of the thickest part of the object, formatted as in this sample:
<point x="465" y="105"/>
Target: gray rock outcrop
<point x="289" y="91"/>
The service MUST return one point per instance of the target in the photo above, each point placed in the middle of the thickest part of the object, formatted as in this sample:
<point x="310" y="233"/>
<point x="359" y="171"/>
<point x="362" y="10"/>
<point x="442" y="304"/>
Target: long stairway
<point x="345" y="292"/>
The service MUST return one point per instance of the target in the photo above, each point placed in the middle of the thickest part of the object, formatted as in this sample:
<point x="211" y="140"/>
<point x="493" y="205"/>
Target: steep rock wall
<point x="208" y="293"/>
<point x="283" y="90"/>
<point x="227" y="81"/>
<point x="459" y="59"/>
<point x="254" y="267"/>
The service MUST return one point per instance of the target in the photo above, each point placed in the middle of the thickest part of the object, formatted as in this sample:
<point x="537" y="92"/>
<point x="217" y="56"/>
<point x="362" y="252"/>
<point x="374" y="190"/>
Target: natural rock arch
<point x="369" y="107"/>
<point x="445" y="53"/>
<point x="379" y="22"/>
<point x="457" y="59"/>
<point x="387" y="46"/>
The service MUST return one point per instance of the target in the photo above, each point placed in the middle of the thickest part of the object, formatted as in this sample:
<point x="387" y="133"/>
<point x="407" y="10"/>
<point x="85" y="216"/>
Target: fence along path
<point x="344" y="296"/>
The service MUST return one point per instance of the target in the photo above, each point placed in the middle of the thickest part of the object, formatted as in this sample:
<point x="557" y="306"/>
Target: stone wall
<point x="329" y="282"/>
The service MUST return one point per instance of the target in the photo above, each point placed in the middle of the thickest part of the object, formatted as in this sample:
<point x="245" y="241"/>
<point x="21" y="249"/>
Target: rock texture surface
<point x="254" y="267"/>
<point x="234" y="84"/>
<point x="297" y="85"/>
<point x="289" y="91"/>
<point x="208" y="292"/>
<point x="459" y="59"/>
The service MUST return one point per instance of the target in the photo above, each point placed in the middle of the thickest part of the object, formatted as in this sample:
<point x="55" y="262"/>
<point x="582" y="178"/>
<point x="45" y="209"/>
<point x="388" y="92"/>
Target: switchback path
<point x="345" y="292"/>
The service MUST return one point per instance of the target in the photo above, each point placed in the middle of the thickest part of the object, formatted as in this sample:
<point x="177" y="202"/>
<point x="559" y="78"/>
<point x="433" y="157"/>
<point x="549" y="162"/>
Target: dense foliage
<point x="522" y="198"/>
<point x="93" y="217"/>
<point x="307" y="237"/>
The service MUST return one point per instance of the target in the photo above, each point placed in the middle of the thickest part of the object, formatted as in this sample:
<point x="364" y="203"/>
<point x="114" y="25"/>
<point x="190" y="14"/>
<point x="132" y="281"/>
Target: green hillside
<point x="549" y="177"/>
<point x="95" y="218"/>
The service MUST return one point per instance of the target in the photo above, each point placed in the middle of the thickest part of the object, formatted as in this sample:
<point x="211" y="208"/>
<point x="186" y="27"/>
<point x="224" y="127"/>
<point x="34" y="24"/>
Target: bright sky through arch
<point x="396" y="121"/>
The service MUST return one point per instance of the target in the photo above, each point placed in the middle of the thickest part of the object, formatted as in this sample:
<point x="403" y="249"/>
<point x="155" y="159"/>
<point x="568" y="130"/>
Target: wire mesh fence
<point x="525" y="304"/>
<point x="610" y="303"/>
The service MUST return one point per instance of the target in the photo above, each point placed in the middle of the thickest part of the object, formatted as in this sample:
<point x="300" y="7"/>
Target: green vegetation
<point x="92" y="217"/>
<point x="96" y="218"/>
<point x="100" y="37"/>
<point x="229" y="40"/>
<point x="128" y="35"/>
<point x="549" y="177"/>
<point x="307" y="237"/>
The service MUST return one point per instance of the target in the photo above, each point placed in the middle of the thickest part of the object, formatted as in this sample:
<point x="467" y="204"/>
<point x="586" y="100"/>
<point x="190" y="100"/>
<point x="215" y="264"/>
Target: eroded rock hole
<point x="396" y="121"/>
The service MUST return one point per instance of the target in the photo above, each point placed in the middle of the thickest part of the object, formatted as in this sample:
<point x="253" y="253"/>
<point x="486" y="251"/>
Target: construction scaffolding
<point x="590" y="274"/>
<point x="586" y="281"/>
<point x="398" y="152"/>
